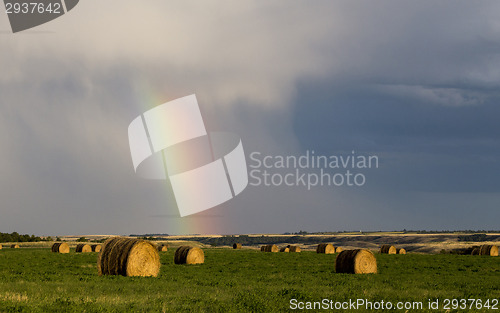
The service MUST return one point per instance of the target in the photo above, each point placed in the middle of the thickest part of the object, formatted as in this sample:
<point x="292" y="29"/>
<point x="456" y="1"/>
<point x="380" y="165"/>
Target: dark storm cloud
<point x="411" y="81"/>
<point x="423" y="145"/>
<point x="420" y="90"/>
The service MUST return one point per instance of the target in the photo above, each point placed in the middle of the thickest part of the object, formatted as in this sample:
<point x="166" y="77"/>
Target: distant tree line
<point x="469" y="231"/>
<point x="15" y="237"/>
<point x="149" y="235"/>
<point x="83" y="239"/>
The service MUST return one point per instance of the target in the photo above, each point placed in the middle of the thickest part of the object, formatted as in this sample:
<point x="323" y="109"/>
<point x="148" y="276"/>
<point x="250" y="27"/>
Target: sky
<point x="414" y="83"/>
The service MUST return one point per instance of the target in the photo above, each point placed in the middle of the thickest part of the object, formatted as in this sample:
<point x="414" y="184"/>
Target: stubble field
<point x="37" y="280"/>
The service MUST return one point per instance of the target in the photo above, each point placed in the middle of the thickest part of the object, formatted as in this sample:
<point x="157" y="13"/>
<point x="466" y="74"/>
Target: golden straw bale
<point x="359" y="261"/>
<point x="237" y="246"/>
<point x="488" y="250"/>
<point x="14" y="246"/>
<point x="271" y="248"/>
<point x="326" y="248"/>
<point x="83" y="248"/>
<point x="189" y="255"/>
<point x="475" y="251"/>
<point x="128" y="257"/>
<point x="96" y="248"/>
<point x="60" y="247"/>
<point x="388" y="249"/>
<point x="294" y="248"/>
<point x="285" y="249"/>
<point x="339" y="249"/>
<point x="400" y="251"/>
<point x="162" y="248"/>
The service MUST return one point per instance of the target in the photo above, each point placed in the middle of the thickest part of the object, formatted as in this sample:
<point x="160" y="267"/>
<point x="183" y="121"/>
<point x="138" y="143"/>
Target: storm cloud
<point x="414" y="82"/>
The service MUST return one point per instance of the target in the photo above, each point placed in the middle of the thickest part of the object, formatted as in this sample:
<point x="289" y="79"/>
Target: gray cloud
<point x="410" y="81"/>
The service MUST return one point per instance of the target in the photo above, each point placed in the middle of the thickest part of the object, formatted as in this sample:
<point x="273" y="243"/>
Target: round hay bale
<point x="326" y="248"/>
<point x="60" y="247"/>
<point x="359" y="261"/>
<point x="83" y="247"/>
<point x="294" y="249"/>
<point x="237" y="246"/>
<point x="339" y="249"/>
<point x="488" y="250"/>
<point x="162" y="248"/>
<point x="263" y="248"/>
<point x="388" y="249"/>
<point x="128" y="257"/>
<point x="475" y="251"/>
<point x="401" y="251"/>
<point x="96" y="248"/>
<point x="271" y="248"/>
<point x="15" y="246"/>
<point x="0" y="247"/>
<point x="285" y="249"/>
<point x="189" y="255"/>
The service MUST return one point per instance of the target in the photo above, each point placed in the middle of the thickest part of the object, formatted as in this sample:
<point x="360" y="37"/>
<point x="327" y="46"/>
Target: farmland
<point x="36" y="280"/>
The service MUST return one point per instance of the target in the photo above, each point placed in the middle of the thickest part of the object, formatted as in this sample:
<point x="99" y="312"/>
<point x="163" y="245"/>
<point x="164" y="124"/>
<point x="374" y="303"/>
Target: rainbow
<point x="202" y="223"/>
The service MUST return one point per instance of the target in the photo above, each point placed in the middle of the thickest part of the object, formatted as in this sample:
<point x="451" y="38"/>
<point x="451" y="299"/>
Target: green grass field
<point x="36" y="280"/>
